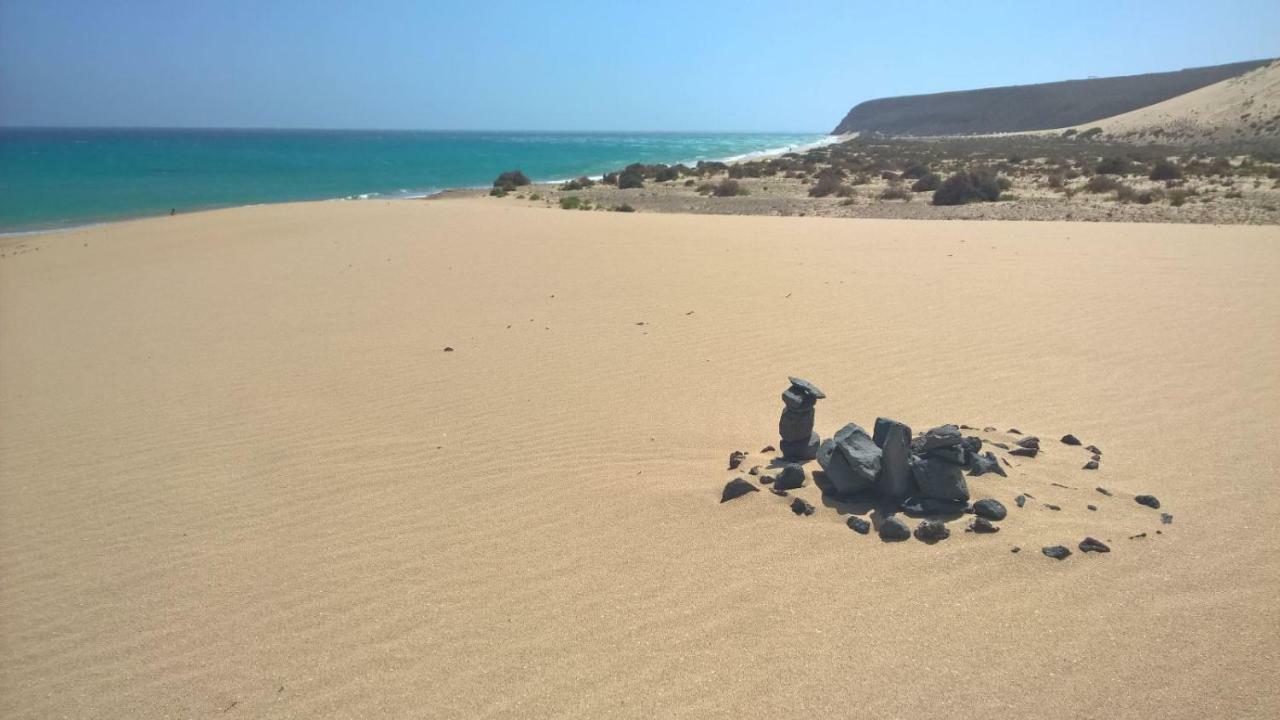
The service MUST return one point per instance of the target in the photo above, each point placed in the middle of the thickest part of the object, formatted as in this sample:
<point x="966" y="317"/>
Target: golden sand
<point x="239" y="477"/>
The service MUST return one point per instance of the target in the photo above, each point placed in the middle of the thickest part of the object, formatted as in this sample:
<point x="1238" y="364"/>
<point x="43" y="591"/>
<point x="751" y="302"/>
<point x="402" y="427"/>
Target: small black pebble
<point x="1016" y="549"/>
<point x="1093" y="449"/>
<point x="1015" y="431"/>
<point x="1091" y="545"/>
<point x="988" y="429"/>
<point x="1091" y="465"/>
<point x="1148" y="500"/>
<point x="768" y="448"/>
<point x="735" y="459"/>
<point x="755" y="470"/>
<point x="800" y="506"/>
<point x="1057" y="552"/>
<point x="1020" y="500"/>
<point x="931" y="531"/>
<point x="1166" y="518"/>
<point x="779" y="492"/>
<point x="982" y="525"/>
<point x="859" y="525"/>
<point x="1070" y="439"/>
<point x="1139" y="535"/>
<point x="1052" y="507"/>
<point x="1104" y="491"/>
<point x="448" y="349"/>
<point x="1092" y="507"/>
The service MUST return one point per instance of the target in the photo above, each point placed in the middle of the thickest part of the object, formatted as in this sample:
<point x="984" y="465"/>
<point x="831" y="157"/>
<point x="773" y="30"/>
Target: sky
<point x="600" y="65"/>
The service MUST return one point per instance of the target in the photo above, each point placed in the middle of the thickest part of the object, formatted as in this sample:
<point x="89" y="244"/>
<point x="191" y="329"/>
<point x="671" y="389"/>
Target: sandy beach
<point x="240" y="476"/>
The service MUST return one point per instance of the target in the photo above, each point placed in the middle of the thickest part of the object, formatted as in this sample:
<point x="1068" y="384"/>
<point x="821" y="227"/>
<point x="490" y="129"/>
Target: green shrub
<point x="1113" y="166"/>
<point x="895" y="192"/>
<point x="510" y="180"/>
<point x="498" y="192"/>
<point x="728" y="188"/>
<point x="827" y="184"/>
<point x="572" y="202"/>
<point x="1101" y="184"/>
<point x="535" y="196"/>
<point x="1125" y="194"/>
<point x="581" y="183"/>
<point x="1091" y="133"/>
<point x="630" y="179"/>
<point x="966" y="187"/>
<point x="915" y="170"/>
<point x="1165" y="170"/>
<point x="666" y="173"/>
<point x="927" y="183"/>
<point x="623" y="208"/>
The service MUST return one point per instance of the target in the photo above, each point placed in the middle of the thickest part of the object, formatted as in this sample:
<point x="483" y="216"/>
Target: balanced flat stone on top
<point x="806" y="387"/>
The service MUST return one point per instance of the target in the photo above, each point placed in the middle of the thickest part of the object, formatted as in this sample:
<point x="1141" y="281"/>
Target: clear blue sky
<point x="599" y="65"/>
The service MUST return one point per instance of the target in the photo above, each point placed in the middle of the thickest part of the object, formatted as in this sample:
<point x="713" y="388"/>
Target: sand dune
<point x="238" y="475"/>
<point x="1247" y="106"/>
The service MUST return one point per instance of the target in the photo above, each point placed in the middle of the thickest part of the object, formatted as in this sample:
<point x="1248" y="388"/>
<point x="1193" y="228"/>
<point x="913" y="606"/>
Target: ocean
<point x="52" y="178"/>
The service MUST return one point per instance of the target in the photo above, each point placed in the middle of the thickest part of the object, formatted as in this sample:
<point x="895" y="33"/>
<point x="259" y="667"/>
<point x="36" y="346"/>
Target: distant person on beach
<point x="173" y="211"/>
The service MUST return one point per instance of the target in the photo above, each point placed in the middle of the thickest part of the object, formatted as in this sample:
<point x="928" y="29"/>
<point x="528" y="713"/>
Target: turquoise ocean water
<point x="52" y="178"/>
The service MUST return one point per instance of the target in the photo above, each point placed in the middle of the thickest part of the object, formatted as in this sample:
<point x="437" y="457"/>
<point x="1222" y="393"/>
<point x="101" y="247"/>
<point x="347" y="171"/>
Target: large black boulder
<point x="894" y="440"/>
<point x="941" y="436"/>
<point x="940" y="479"/>
<point x="736" y="488"/>
<point x="850" y="460"/>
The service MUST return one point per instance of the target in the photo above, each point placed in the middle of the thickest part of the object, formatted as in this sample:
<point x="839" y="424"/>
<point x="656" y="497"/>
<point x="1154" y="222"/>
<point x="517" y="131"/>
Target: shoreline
<point x="407" y="194"/>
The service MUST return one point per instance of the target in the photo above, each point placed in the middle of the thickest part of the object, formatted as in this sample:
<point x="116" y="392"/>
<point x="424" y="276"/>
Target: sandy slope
<point x="1223" y="111"/>
<point x="240" y="478"/>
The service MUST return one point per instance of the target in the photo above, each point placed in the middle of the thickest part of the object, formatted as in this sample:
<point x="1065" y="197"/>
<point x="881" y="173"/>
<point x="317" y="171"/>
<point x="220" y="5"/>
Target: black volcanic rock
<point x="850" y="460"/>
<point x="1093" y="545"/>
<point x="1025" y="451"/>
<point x="735" y="459"/>
<point x="1148" y="500"/>
<point x="893" y="528"/>
<point x="931" y="531"/>
<point x="800" y="506"/>
<point x="982" y="525"/>
<point x="893" y="438"/>
<point x="940" y="479"/>
<point x="801" y="450"/>
<point x="736" y="488"/>
<point x="859" y="525"/>
<point x="1057" y="552"/>
<point x="990" y="509"/>
<point x="985" y="463"/>
<point x="1091" y="465"/>
<point x="791" y="477"/>
<point x="1070" y="439"/>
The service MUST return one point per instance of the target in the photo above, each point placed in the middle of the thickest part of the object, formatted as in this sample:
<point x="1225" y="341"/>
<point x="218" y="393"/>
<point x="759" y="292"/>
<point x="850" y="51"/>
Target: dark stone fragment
<point x="778" y="492"/>
<point x="1020" y="500"/>
<point x="1104" y="491"/>
<point x="801" y="450"/>
<point x="1136" y="537"/>
<point x="795" y="424"/>
<point x="1091" y="465"/>
<point x="894" y="529"/>
<point x="1092" y="507"/>
<point x="1025" y="452"/>
<point x="954" y="455"/>
<point x="736" y="488"/>
<point x="850" y="460"/>
<point x="1093" y="545"/>
<point x="1015" y="431"/>
<point x="1070" y="439"/>
<point x="1093" y="449"/>
<point x="982" y="525"/>
<point x="1057" y="552"/>
<point x="941" y="436"/>
<point x="931" y="531"/>
<point x="1002" y="446"/>
<point x="1095" y="458"/>
<point x="859" y="525"/>
<point x="800" y="506"/>
<point x="988" y="429"/>
<point x="766" y="479"/>
<point x="1166" y="518"/>
<point x="791" y="477"/>
<point x="1016" y="549"/>
<point x="1031" y="441"/>
<point x="735" y="459"/>
<point x="1006" y="462"/>
<point x="768" y="449"/>
<point x="755" y="470"/>
<point x="966" y="427"/>
<point x="990" y="509"/>
<point x="893" y="438"/>
<point x="1148" y="500"/>
<point x="1068" y="487"/>
<point x="972" y="444"/>
<point x="448" y="349"/>
<point x="1050" y="506"/>
<point x="940" y="479"/>
<point x="919" y="505"/>
<point x="985" y="463"/>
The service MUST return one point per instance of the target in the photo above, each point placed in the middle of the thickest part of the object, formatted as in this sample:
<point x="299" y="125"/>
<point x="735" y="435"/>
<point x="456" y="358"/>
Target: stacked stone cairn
<point x="799" y="441"/>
